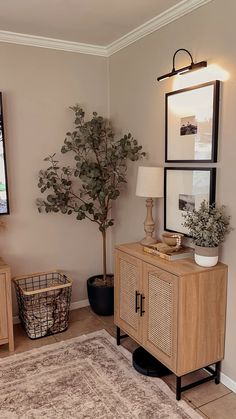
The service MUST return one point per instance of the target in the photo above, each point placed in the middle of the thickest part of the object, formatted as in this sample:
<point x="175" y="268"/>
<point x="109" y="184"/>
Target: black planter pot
<point x="101" y="299"/>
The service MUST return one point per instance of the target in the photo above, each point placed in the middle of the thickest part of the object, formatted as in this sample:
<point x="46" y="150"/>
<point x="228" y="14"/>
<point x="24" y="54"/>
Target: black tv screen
<point x="4" y="201"/>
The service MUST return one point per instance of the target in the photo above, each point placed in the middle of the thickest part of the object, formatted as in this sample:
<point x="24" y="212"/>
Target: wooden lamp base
<point x="149" y="225"/>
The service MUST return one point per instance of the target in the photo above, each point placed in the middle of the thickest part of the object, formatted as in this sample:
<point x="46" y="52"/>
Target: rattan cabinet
<point x="159" y="331"/>
<point x="175" y="310"/>
<point x="127" y="286"/>
<point x="6" y="322"/>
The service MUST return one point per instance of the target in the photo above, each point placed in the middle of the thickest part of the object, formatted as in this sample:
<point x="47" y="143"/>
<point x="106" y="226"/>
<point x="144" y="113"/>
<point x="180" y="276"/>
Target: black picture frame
<point x="170" y="153"/>
<point x="4" y="195"/>
<point x="171" y="200"/>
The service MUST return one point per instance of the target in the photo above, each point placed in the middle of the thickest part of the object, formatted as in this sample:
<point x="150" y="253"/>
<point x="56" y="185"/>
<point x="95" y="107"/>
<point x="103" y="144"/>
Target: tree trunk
<point x="104" y="248"/>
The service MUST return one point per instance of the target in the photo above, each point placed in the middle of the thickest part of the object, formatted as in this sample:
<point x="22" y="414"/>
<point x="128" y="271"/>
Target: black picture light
<point x="192" y="67"/>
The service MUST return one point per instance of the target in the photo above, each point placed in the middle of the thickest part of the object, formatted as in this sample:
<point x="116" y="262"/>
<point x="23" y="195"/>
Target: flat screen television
<point x="4" y="201"/>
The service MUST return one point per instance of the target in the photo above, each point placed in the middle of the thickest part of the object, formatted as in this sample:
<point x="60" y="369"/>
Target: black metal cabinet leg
<point x="117" y="335"/>
<point x="178" y="388"/>
<point x="217" y="379"/>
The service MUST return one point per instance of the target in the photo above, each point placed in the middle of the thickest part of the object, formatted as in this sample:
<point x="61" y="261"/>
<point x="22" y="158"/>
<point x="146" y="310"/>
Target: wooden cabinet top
<point x="177" y="267"/>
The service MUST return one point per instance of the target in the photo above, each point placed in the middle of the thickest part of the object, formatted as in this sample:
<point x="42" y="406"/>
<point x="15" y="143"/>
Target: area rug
<point x="85" y="377"/>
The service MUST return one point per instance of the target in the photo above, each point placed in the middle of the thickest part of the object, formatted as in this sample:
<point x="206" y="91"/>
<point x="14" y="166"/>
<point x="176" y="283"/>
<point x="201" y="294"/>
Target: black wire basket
<point x="44" y="301"/>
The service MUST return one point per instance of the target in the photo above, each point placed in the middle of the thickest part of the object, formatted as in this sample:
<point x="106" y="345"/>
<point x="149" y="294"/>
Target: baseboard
<point x="224" y="379"/>
<point x="79" y="304"/>
<point x="16" y="320"/>
<point x="73" y="306"/>
<point x="228" y="382"/>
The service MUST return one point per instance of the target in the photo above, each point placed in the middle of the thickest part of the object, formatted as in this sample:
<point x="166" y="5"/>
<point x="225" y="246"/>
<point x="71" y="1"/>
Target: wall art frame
<point x="4" y="196"/>
<point x="184" y="189"/>
<point x="191" y="124"/>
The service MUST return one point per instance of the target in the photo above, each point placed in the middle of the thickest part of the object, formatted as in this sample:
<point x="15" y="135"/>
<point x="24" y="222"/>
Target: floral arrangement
<point x="208" y="225"/>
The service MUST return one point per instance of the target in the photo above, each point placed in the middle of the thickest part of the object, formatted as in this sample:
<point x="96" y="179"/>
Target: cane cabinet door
<point x="3" y="308"/>
<point x="128" y="272"/>
<point x="159" y="327"/>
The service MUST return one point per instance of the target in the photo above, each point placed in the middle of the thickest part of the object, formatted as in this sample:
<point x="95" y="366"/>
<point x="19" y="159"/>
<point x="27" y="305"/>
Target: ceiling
<point x="97" y="22"/>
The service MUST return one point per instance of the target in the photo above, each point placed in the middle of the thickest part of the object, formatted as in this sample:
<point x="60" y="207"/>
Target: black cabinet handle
<point x="141" y="305"/>
<point x="137" y="307"/>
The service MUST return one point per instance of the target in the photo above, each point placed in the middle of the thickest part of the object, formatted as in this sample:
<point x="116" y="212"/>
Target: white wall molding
<point x="163" y="19"/>
<point x="51" y="43"/>
<point x="228" y="382"/>
<point x="73" y="306"/>
<point x="79" y="304"/>
<point x="16" y="320"/>
<point x="180" y="9"/>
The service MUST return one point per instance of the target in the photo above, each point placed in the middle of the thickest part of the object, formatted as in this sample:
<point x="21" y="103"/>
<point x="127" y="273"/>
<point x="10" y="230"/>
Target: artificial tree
<point x="88" y="188"/>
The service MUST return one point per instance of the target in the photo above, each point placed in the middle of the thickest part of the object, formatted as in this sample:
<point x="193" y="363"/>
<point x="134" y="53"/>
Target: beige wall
<point x="38" y="86"/>
<point x="137" y="104"/>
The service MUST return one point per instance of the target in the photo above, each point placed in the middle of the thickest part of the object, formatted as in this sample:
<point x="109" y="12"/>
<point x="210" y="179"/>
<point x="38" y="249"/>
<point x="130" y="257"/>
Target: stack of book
<point x="182" y="253"/>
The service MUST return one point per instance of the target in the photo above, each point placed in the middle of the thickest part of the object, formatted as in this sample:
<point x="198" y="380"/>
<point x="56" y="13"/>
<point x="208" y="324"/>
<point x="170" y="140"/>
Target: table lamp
<point x="149" y="185"/>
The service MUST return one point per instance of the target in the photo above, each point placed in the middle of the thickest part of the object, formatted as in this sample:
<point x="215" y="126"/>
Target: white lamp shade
<point x="150" y="182"/>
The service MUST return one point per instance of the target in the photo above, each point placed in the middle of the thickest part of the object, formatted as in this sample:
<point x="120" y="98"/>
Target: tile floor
<point x="210" y="400"/>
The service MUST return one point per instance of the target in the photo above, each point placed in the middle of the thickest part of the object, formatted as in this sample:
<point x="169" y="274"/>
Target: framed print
<point x="4" y="201"/>
<point x="184" y="190"/>
<point x="191" y="124"/>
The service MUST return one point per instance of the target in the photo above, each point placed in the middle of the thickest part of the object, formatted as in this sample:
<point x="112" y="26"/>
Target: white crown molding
<point x="180" y="9"/>
<point x="51" y="43"/>
<point x="168" y="16"/>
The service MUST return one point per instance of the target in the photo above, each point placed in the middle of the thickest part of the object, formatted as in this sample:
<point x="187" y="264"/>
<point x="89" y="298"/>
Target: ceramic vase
<point x="206" y="256"/>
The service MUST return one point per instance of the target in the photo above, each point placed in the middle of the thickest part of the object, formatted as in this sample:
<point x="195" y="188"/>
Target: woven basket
<point x="44" y="302"/>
